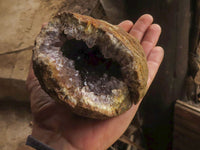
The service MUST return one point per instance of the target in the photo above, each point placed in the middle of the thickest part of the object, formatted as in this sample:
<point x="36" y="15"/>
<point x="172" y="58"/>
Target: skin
<point x="59" y="128"/>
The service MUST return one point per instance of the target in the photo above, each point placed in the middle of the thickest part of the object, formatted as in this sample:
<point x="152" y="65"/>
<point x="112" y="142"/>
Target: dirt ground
<point x="15" y="124"/>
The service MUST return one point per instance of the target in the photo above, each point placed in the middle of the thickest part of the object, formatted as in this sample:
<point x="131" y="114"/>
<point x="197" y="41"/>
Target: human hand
<point x="59" y="128"/>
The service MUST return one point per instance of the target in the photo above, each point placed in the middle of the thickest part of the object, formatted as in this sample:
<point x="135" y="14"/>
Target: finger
<point x="31" y="80"/>
<point x="39" y="99"/>
<point x="44" y="24"/>
<point x="141" y="25"/>
<point x="153" y="61"/>
<point x="151" y="38"/>
<point x="126" y="25"/>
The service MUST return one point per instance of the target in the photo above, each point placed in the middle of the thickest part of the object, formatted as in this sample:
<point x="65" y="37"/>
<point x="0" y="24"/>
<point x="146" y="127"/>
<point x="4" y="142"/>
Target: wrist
<point x="51" y="138"/>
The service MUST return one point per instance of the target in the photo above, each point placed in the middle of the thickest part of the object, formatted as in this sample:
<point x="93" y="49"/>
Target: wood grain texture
<point x="174" y="18"/>
<point x="186" y="127"/>
<point x="194" y="55"/>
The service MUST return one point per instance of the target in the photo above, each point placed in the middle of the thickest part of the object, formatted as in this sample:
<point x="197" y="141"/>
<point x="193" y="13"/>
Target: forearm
<point x="51" y="138"/>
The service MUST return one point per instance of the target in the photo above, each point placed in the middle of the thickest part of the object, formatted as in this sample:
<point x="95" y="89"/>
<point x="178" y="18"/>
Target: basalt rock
<point x="96" y="68"/>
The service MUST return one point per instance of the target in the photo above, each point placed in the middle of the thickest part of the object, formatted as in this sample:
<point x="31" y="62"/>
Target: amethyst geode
<point x="96" y="68"/>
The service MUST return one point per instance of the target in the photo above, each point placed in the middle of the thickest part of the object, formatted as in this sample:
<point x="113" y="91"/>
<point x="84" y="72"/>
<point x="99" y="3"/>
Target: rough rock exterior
<point x="58" y="74"/>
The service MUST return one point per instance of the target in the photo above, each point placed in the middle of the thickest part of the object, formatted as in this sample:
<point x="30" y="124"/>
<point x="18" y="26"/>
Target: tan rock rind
<point x="61" y="80"/>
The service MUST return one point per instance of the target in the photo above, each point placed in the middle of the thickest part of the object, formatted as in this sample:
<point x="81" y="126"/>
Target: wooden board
<point x="14" y="69"/>
<point x="186" y="135"/>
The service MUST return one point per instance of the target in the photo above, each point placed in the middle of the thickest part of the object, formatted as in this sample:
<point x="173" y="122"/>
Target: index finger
<point x="126" y="25"/>
<point x="141" y="25"/>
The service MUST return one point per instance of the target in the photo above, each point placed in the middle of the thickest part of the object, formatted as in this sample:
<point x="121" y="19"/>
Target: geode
<point x="96" y="68"/>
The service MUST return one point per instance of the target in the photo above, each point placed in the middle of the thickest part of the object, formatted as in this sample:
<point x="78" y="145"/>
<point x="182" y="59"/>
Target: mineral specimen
<point x="96" y="68"/>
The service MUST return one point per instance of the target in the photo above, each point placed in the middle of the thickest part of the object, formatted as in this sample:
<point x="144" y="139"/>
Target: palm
<point x="85" y="133"/>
